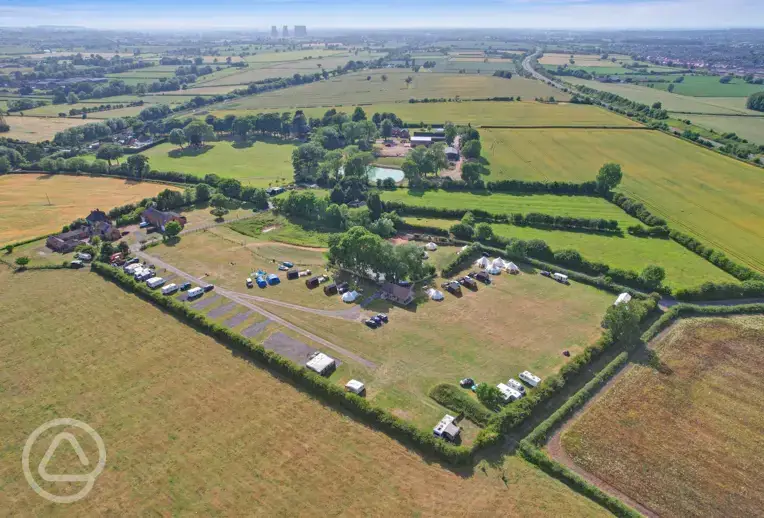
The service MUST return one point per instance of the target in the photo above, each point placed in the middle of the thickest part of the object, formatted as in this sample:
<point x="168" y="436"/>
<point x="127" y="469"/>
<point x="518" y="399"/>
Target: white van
<point x="508" y="394"/>
<point x="195" y="292"/>
<point x="169" y="289"/>
<point x="560" y="277"/>
<point x="155" y="282"/>
<point x="130" y="268"/>
<point x="144" y="275"/>
<point x="513" y="383"/>
<point x="530" y="378"/>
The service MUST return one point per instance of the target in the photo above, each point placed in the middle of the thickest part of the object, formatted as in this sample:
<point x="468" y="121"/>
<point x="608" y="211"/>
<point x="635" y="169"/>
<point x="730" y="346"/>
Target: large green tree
<point x="609" y="177"/>
<point x="177" y="137"/>
<point x="756" y="102"/>
<point x="199" y="132"/>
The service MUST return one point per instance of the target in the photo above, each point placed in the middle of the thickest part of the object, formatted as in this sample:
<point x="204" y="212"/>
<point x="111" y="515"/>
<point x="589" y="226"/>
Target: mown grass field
<point x="683" y="268"/>
<point x="487" y="113"/>
<point x="38" y="129"/>
<point x="354" y="88"/>
<point x="32" y="205"/>
<point x="709" y="86"/>
<point x="190" y="428"/>
<point x="718" y="199"/>
<point x="262" y="163"/>
<point x="685" y="442"/>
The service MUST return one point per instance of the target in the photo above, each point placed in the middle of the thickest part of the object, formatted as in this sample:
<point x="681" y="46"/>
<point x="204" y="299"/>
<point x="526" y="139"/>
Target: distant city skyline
<point x="397" y="14"/>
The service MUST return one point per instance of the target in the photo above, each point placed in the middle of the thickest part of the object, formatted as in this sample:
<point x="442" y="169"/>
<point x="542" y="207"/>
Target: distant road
<point x="527" y="66"/>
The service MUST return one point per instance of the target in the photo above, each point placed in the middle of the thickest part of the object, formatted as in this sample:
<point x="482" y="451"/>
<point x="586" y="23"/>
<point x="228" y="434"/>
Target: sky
<point x="396" y="14"/>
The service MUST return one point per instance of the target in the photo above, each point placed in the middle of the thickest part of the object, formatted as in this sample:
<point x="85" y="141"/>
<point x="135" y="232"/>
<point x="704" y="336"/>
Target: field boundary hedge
<point x="455" y="398"/>
<point x="320" y="387"/>
<point x="692" y="310"/>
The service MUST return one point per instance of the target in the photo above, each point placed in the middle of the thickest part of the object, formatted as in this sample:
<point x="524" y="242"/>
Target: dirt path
<point x="352" y="313"/>
<point x="237" y="297"/>
<point x="556" y="450"/>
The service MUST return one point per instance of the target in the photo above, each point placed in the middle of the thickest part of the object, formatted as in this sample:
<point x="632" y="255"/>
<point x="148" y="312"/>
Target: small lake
<point x="380" y="173"/>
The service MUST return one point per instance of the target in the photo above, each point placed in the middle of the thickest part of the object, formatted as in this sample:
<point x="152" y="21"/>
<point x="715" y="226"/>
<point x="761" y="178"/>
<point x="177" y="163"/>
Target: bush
<point x="317" y="385"/>
<point x="457" y="399"/>
<point x="636" y="209"/>
<point x="722" y="291"/>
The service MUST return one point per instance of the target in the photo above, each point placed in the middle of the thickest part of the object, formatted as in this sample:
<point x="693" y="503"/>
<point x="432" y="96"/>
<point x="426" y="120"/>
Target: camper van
<point x="508" y="394"/>
<point x="130" y="268"/>
<point x="169" y="289"/>
<point x="561" y="278"/>
<point x="154" y="282"/>
<point x="513" y="383"/>
<point x="143" y="275"/>
<point x="195" y="292"/>
<point x="530" y="378"/>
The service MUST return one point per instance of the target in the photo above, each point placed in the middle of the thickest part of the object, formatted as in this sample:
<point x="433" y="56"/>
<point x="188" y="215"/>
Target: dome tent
<point x="482" y="262"/>
<point x="512" y="268"/>
<point x="493" y="270"/>
<point x="431" y="246"/>
<point x="349" y="296"/>
<point x="498" y="263"/>
<point x="435" y="294"/>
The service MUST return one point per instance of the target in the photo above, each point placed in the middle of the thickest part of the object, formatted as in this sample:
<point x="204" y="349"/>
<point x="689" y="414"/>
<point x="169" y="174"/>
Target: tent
<point x="494" y="270"/>
<point x="512" y="268"/>
<point x="350" y="296"/>
<point x="435" y="294"/>
<point x="273" y="279"/>
<point x="426" y="255"/>
<point x="261" y="282"/>
<point x="623" y="298"/>
<point x="482" y="262"/>
<point x="431" y="246"/>
<point x="498" y="263"/>
<point x="462" y="249"/>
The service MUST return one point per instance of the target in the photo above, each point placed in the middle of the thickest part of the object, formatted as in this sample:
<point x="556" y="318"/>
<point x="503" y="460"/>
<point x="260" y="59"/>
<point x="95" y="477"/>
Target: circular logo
<point x="42" y="468"/>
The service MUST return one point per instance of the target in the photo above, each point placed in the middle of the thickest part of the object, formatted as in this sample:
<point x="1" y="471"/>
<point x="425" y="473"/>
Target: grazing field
<point x="298" y="55"/>
<point x="718" y="199"/>
<point x="32" y="205"/>
<point x="685" y="441"/>
<point x="487" y="113"/>
<point x="582" y="60"/>
<point x="38" y="129"/>
<point x="260" y="163"/>
<point x="354" y="88"/>
<point x="671" y="102"/>
<point x="575" y="206"/>
<point x="683" y="268"/>
<point x="181" y="416"/>
<point x="474" y="66"/>
<point x="709" y="86"/>
<point x="248" y="75"/>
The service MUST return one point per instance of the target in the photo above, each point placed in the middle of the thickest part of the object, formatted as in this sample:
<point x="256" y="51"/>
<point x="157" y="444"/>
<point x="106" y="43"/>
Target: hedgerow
<point x="715" y="257"/>
<point x="635" y="209"/>
<point x="317" y="385"/>
<point x="691" y="310"/>
<point x="456" y="399"/>
<point x="721" y="291"/>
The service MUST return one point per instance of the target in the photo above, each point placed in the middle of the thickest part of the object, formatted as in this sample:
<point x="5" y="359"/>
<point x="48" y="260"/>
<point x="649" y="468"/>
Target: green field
<point x="262" y="163"/>
<point x="709" y="86"/>
<point x="181" y="418"/>
<point x="751" y="128"/>
<point x="718" y="199"/>
<point x="683" y="268"/>
<point x="354" y="88"/>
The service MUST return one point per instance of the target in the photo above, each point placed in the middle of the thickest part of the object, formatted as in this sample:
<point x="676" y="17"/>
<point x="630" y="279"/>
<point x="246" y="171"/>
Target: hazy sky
<point x="261" y="14"/>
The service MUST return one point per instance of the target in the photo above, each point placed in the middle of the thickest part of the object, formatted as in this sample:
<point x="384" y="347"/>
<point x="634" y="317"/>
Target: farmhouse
<point x="66" y="242"/>
<point x="159" y="219"/>
<point x="403" y="295"/>
<point x="98" y="224"/>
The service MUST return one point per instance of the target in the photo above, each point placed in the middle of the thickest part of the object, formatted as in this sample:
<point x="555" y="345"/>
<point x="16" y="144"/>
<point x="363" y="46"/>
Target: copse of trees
<point x="422" y="162"/>
<point x="755" y="102"/>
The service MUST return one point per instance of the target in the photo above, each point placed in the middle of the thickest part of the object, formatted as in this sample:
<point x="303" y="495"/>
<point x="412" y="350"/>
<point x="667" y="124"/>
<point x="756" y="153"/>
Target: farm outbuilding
<point x="403" y="295"/>
<point x="421" y="141"/>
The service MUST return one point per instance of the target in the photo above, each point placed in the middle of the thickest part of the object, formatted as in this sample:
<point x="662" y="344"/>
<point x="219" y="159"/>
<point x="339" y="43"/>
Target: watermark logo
<point x="63" y="437"/>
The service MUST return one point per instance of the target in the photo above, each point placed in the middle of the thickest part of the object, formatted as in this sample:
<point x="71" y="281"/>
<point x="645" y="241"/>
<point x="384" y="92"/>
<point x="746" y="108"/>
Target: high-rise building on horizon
<point x="274" y="31"/>
<point x="285" y="32"/>
<point x="300" y="31"/>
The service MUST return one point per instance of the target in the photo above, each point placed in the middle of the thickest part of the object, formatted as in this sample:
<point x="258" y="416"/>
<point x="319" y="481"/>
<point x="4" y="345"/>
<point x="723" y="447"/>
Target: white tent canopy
<point x="431" y="246"/>
<point x="494" y="270"/>
<point x="482" y="262"/>
<point x="512" y="267"/>
<point x="498" y="263"/>
<point x="623" y="298"/>
<point x="435" y="294"/>
<point x="349" y="296"/>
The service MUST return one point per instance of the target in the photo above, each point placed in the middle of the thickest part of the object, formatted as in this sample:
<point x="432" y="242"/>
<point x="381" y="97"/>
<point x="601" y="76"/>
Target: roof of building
<point x="320" y="362"/>
<point x="399" y="292"/>
<point x="96" y="216"/>
<point x="421" y="139"/>
<point x="72" y="234"/>
<point x="161" y="216"/>
<point x="451" y="151"/>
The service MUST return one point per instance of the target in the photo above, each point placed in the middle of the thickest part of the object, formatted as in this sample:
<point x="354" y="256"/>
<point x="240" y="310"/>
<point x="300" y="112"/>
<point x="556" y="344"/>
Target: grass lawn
<point x="526" y="113"/>
<point x="718" y="199"/>
<point x="709" y="86"/>
<point x="354" y="88"/>
<point x="683" y="268"/>
<point x="190" y="428"/>
<point x="686" y="442"/>
<point x="262" y="163"/>
<point x="577" y="206"/>
<point x="24" y="201"/>
<point x="38" y="129"/>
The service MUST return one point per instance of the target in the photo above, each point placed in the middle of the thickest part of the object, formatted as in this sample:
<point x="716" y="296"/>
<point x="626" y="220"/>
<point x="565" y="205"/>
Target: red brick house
<point x="159" y="219"/>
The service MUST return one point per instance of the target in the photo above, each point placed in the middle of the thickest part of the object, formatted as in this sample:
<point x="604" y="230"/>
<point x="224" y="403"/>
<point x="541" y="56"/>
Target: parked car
<point x="76" y="264"/>
<point x="377" y="320"/>
<point x="288" y="264"/>
<point x="131" y="261"/>
<point x="545" y="273"/>
<point x="371" y="323"/>
<point x="382" y="317"/>
<point x="467" y="383"/>
<point x="249" y="282"/>
<point x="185" y="286"/>
<point x="82" y="256"/>
<point x="209" y="287"/>
<point x="143" y="224"/>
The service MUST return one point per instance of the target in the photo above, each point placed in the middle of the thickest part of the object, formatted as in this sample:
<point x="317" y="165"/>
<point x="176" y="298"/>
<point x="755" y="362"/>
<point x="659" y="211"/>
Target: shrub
<point x="457" y="399"/>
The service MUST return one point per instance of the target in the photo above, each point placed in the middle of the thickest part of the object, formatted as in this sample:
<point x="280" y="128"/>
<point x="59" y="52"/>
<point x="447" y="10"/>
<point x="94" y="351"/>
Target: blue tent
<point x="261" y="282"/>
<point x="273" y="279"/>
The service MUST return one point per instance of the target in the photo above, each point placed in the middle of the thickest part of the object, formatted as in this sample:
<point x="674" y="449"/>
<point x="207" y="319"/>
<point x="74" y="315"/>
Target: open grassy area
<point x="190" y="428"/>
<point x="584" y="60"/>
<point x="683" y="268"/>
<point x="251" y="74"/>
<point x="260" y="163"/>
<point x="38" y="129"/>
<point x="709" y="86"/>
<point x="718" y="199"/>
<point x="751" y="128"/>
<point x="32" y="205"/>
<point x="685" y="442"/>
<point x="354" y="88"/>
<point x="485" y="113"/>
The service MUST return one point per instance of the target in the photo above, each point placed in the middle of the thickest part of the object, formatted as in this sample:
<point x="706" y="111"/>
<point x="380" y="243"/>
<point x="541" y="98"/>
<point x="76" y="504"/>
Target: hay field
<point x="38" y="129"/>
<point x="515" y="113"/>
<point x="248" y="75"/>
<point x="354" y="88"/>
<point x="700" y="192"/>
<point x="262" y="163"/>
<point x="683" y="268"/>
<point x="582" y="60"/>
<point x="190" y="428"/>
<point x="24" y="209"/>
<point x="686" y="442"/>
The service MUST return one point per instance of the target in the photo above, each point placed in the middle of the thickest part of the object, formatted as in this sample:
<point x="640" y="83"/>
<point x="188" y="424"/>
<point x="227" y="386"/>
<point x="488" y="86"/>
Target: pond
<point x="380" y="173"/>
